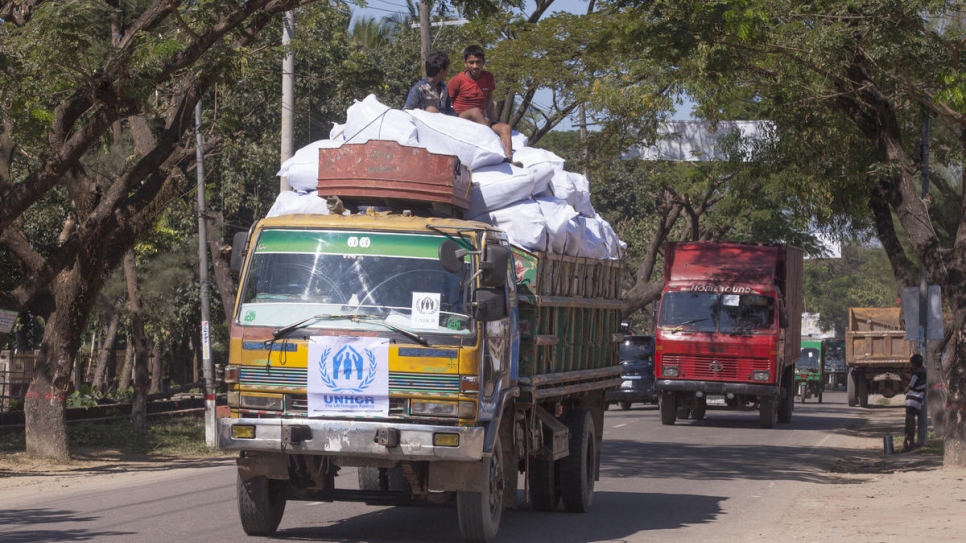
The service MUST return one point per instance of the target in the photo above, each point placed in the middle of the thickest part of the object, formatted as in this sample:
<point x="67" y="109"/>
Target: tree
<point x="71" y="72"/>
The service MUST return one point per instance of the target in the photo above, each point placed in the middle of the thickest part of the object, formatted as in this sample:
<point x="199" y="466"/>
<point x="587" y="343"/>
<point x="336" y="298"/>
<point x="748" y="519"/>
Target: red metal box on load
<point x="387" y="171"/>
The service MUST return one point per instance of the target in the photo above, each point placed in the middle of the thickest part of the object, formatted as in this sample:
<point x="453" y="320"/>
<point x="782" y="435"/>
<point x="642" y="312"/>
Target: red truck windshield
<point x="709" y="312"/>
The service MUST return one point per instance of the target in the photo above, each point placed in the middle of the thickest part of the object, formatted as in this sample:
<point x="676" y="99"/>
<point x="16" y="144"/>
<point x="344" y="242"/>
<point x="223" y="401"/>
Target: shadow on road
<point x="44" y="519"/>
<point x="607" y="521"/>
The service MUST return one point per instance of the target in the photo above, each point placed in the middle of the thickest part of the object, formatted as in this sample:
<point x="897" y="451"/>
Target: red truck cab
<point x="728" y="330"/>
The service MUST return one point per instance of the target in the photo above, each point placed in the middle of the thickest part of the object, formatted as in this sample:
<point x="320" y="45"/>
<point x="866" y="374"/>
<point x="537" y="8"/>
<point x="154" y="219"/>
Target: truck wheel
<point x="578" y="470"/>
<point x="786" y="403"/>
<point x="683" y="413"/>
<point x="698" y="414"/>
<point x="480" y="512"/>
<point x="862" y="390"/>
<point x="767" y="412"/>
<point x="625" y="405"/>
<point x="261" y="504"/>
<point x="819" y="397"/>
<point x="544" y="480"/>
<point x="851" y="388"/>
<point x="803" y="391"/>
<point x="669" y="410"/>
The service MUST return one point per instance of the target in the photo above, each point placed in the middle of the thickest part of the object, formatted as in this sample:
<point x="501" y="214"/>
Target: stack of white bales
<point x="540" y="206"/>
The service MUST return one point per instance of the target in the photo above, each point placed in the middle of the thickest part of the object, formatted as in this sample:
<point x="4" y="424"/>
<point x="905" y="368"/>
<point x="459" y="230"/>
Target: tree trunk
<point x="100" y="380"/>
<point x="45" y="413"/>
<point x="139" y="407"/>
<point x="126" y="367"/>
<point x="156" y="373"/>
<point x="221" y="264"/>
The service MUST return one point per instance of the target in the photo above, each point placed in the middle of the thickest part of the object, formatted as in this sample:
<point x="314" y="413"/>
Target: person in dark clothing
<point x="431" y="93"/>
<point x="915" y="394"/>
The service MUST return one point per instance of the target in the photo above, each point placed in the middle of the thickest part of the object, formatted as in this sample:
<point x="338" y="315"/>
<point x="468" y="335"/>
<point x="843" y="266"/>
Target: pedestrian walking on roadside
<point x="915" y="394"/>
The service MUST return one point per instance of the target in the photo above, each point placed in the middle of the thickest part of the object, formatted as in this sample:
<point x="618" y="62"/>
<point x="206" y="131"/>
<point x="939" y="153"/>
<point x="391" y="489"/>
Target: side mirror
<point x="494" y="266"/>
<point x="490" y="304"/>
<point x="451" y="256"/>
<point x="238" y="245"/>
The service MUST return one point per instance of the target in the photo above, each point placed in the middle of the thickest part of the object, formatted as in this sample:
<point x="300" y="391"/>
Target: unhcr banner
<point x="348" y="375"/>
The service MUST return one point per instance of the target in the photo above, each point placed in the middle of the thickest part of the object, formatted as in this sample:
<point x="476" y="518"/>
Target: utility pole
<point x="211" y="421"/>
<point x="923" y="419"/>
<point x="424" y="30"/>
<point x="288" y="94"/>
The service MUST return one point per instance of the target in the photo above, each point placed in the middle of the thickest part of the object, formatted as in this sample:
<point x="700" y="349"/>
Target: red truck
<point x="729" y="330"/>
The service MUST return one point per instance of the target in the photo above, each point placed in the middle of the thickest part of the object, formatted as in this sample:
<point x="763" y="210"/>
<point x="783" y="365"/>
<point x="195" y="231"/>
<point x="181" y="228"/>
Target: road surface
<point x="717" y="480"/>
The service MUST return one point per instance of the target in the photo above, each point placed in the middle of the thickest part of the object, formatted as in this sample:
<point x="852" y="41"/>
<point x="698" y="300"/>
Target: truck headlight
<point x="670" y="371"/>
<point x="264" y="403"/>
<point x="434" y="408"/>
<point x="761" y="375"/>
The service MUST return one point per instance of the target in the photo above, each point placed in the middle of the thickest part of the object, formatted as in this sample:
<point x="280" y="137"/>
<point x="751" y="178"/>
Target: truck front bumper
<point x="716" y="387"/>
<point x="356" y="439"/>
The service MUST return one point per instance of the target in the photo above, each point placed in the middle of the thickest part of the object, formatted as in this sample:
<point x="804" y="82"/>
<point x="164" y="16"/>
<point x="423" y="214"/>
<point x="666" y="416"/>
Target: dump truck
<point x="876" y="353"/>
<point x="728" y="330"/>
<point x="423" y="350"/>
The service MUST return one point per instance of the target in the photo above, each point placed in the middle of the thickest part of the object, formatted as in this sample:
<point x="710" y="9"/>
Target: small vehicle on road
<point x="637" y="373"/>
<point x="810" y="371"/>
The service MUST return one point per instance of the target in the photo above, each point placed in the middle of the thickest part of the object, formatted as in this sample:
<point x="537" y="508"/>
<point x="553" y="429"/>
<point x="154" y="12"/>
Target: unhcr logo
<point x="349" y="371"/>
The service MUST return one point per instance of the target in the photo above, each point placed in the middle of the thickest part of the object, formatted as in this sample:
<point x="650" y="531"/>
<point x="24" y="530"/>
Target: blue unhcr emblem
<point x="347" y="366"/>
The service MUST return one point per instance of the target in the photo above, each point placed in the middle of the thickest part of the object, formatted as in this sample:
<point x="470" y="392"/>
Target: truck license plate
<point x="715" y="400"/>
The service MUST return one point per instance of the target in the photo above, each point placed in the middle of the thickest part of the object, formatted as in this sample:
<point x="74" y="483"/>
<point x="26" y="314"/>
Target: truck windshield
<point x="710" y="312"/>
<point x="298" y="274"/>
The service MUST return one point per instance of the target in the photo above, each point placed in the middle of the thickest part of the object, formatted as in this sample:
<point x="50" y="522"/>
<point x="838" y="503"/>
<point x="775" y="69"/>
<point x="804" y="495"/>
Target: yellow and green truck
<point x="424" y="351"/>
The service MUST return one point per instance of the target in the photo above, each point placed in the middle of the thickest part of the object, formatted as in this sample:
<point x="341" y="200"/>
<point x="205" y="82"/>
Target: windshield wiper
<point x="286" y="330"/>
<point x="411" y="335"/>
<point x="367" y="318"/>
<point x="681" y="326"/>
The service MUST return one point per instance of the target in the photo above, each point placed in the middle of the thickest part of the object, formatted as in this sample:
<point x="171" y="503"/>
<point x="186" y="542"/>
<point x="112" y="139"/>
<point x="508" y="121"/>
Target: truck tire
<point x="578" y="470"/>
<point x="862" y="390"/>
<point x="803" y="391"/>
<point x="786" y="405"/>
<point x="699" y="413"/>
<point x="767" y="412"/>
<point x="625" y="406"/>
<point x="480" y="512"/>
<point x="851" y="389"/>
<point x="544" y="480"/>
<point x="668" y="408"/>
<point x="261" y="504"/>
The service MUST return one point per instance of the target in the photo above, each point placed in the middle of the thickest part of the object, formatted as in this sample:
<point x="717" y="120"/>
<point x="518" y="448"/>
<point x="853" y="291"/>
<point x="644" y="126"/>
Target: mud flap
<point x="270" y="465"/>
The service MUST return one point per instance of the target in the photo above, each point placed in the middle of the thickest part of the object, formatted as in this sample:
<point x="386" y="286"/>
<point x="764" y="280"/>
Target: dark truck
<point x="729" y="329"/>
<point x="637" y="373"/>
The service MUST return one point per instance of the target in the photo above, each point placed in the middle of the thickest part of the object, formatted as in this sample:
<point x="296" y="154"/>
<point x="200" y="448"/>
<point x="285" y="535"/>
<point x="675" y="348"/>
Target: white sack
<point x="615" y="246"/>
<point x="562" y="186"/>
<point x="337" y="132"/>
<point x="496" y="187"/>
<point x="302" y="170"/>
<point x="523" y="223"/>
<point x="371" y="120"/>
<point x="531" y="156"/>
<point x="518" y="140"/>
<point x="558" y="215"/>
<point x="290" y="201"/>
<point x="475" y="144"/>
<point x="581" y="197"/>
<point x="575" y="236"/>
<point x="594" y="244"/>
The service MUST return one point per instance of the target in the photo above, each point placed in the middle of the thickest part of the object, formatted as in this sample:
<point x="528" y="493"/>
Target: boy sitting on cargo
<point x="431" y="93"/>
<point x="471" y="94"/>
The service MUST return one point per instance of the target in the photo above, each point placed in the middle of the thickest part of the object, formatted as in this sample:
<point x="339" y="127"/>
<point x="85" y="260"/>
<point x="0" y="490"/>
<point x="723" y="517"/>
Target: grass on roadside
<point x="182" y="437"/>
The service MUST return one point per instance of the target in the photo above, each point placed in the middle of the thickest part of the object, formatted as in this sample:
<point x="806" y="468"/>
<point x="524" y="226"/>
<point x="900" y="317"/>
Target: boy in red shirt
<point x="470" y="92"/>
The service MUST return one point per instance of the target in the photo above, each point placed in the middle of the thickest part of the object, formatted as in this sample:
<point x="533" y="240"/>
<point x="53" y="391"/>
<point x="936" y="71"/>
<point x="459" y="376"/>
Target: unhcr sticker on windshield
<point x="348" y="375"/>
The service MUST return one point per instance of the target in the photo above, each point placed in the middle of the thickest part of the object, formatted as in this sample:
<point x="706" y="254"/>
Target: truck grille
<point x="717" y="367"/>
<point x="281" y="378"/>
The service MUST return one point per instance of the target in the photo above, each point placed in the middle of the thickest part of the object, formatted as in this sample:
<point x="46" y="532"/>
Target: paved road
<point x="722" y="479"/>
